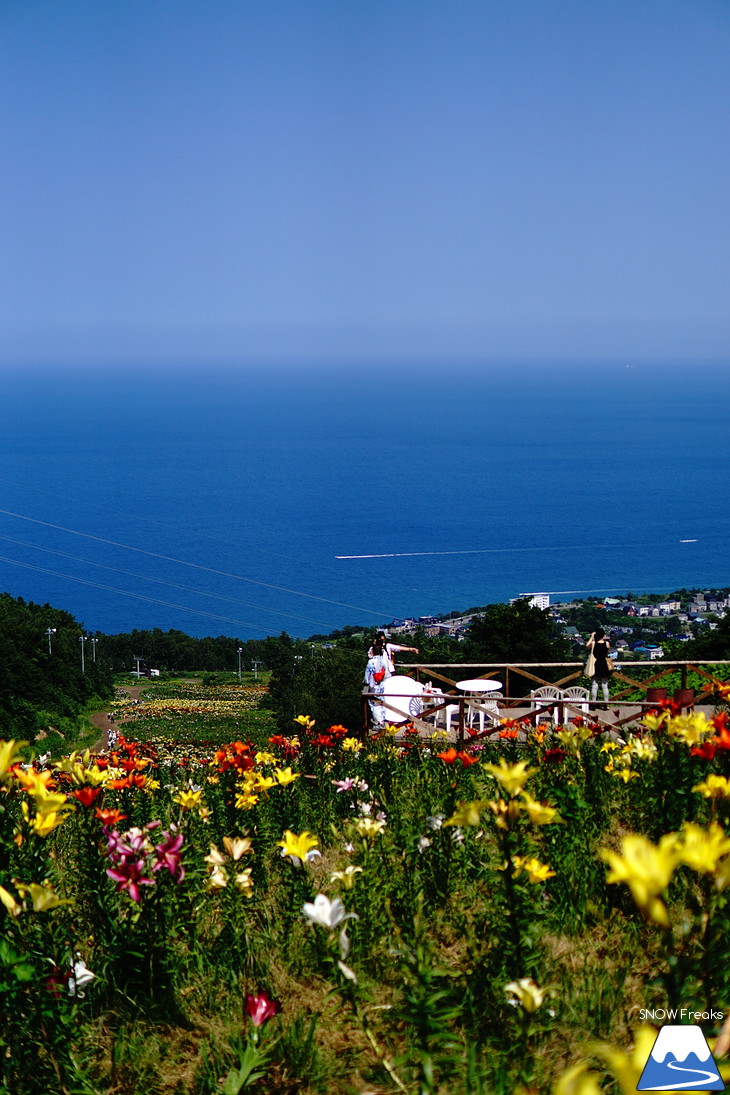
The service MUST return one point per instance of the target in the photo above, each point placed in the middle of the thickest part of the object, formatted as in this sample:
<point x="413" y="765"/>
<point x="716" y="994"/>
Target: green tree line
<point x="42" y="687"/>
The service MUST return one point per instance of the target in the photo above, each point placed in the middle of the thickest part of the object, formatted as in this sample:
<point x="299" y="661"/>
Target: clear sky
<point x="232" y="179"/>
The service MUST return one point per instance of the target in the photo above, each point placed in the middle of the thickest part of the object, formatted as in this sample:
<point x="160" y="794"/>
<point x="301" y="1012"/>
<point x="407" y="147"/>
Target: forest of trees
<point x="42" y="687"/>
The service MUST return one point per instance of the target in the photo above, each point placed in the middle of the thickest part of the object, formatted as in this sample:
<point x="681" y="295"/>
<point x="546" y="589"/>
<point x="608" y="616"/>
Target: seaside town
<point x="638" y="627"/>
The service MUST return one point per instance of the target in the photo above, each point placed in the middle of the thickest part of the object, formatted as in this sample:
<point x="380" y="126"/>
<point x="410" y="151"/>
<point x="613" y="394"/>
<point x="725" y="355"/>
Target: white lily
<point x="80" y="977"/>
<point x="328" y="914"/>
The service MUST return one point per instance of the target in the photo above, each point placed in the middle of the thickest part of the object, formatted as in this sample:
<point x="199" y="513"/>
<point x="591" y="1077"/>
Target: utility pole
<point x="93" y="650"/>
<point x="82" y="640"/>
<point x="255" y="665"/>
<point x="50" y="631"/>
<point x="240" y="652"/>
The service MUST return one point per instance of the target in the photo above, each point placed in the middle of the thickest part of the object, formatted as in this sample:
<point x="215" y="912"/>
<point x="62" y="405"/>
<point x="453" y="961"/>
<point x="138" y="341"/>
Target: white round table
<point x="477" y="690"/>
<point x="479" y="685"/>
<point x="403" y="696"/>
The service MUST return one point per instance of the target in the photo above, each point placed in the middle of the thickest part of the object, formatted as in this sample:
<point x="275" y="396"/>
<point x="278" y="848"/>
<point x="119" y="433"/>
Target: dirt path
<point x="101" y="720"/>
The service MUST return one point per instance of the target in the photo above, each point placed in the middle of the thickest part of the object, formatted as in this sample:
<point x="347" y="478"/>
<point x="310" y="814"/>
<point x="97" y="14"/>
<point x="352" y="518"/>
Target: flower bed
<point x="318" y="913"/>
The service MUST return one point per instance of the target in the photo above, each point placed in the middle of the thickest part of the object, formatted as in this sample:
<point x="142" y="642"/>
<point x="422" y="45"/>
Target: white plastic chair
<point x="432" y="697"/>
<point x="479" y="707"/>
<point x="541" y="698"/>
<point x="485" y="706"/>
<point x="578" y="698"/>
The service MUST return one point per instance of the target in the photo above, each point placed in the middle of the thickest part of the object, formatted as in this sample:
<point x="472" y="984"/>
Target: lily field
<point x="211" y="906"/>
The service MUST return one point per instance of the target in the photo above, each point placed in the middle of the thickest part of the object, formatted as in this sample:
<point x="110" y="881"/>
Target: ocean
<point x="250" y="501"/>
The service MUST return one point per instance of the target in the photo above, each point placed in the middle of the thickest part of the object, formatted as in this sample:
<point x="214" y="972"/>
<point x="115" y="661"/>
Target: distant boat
<point x="688" y="541"/>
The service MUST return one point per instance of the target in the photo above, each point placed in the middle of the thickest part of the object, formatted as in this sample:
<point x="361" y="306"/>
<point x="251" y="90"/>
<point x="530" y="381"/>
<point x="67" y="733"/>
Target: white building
<point x="539" y="600"/>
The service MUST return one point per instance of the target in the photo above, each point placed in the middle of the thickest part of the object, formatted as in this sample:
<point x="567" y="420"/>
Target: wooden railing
<point x="706" y="688"/>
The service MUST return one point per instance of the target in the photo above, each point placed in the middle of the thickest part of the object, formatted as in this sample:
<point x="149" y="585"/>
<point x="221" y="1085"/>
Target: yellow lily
<point x="646" y="869"/>
<point x="81" y="770"/>
<point x="528" y="993"/>
<point x="43" y="824"/>
<point x="262" y="783"/>
<point x="641" y="748"/>
<point x="538" y="813"/>
<point x="188" y="799"/>
<point x="10" y="903"/>
<point x="297" y="847"/>
<point x="42" y="895"/>
<point x="655" y="722"/>
<point x="714" y="787"/>
<point x="702" y="849"/>
<point x="533" y="868"/>
<point x="577" y="1080"/>
<point x="511" y="777"/>
<point x="466" y="813"/>
<point x="627" y="1067"/>
<point x="691" y="729"/>
<point x="346" y="877"/>
<point x="285" y="776"/>
<point x="265" y="758"/>
<point x="9" y="755"/>
<point x="369" y="827"/>
<point x="34" y="783"/>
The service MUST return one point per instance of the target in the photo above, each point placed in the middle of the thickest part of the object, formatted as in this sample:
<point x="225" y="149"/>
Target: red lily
<point x="86" y="795"/>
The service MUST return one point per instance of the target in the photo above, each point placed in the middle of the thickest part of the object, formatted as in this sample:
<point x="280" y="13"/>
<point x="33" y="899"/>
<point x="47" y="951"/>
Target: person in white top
<point x="389" y="649"/>
<point x="376" y="672"/>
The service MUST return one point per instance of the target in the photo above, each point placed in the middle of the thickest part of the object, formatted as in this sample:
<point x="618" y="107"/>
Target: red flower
<point x="110" y="817"/>
<point x="554" y="756"/>
<point x="451" y="756"/>
<point x="86" y="795"/>
<point x="719" y="721"/>
<point x="323" y="740"/>
<point x="707" y="750"/>
<point x="284" y="745"/>
<point x="338" y="731"/>
<point x="236" y="756"/>
<point x="57" y="980"/>
<point x="260" y="1009"/>
<point x="133" y="780"/>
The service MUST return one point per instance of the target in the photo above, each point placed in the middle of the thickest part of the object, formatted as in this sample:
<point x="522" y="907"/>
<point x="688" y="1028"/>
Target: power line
<point x="137" y="596"/>
<point x="161" y="581"/>
<point x="193" y="566"/>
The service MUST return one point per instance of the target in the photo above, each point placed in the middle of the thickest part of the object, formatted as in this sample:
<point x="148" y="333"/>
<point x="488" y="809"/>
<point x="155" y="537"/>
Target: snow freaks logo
<point x="680" y="1060"/>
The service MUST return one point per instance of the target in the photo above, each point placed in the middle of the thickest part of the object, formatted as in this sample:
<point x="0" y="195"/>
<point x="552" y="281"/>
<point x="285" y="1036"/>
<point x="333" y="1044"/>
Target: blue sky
<point x="231" y="180"/>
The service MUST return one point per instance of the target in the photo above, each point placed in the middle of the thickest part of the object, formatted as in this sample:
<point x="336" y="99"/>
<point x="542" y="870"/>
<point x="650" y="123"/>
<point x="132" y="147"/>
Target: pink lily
<point x="260" y="1009"/>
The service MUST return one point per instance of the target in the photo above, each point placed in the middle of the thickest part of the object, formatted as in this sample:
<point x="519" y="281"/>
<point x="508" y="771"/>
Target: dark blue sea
<point x="223" y="500"/>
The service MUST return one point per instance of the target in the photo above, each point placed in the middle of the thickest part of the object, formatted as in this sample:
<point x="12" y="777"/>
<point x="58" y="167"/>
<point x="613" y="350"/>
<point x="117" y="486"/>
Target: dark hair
<point x="599" y="633"/>
<point x="377" y="648"/>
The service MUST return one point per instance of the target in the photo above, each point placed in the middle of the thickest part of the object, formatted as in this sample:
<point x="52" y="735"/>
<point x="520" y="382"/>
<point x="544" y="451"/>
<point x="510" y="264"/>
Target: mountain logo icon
<point x="680" y="1060"/>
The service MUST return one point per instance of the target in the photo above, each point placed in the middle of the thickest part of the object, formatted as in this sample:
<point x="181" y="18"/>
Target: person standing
<point x="377" y="672"/>
<point x="389" y="649"/>
<point x="599" y="647"/>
